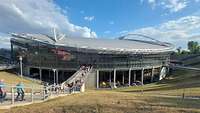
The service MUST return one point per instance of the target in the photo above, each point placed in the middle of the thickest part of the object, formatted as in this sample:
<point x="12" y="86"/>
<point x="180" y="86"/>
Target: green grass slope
<point x="13" y="79"/>
<point x="161" y="97"/>
<point x="182" y="81"/>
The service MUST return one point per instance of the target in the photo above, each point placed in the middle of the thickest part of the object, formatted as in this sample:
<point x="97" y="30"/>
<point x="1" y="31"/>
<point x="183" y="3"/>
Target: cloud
<point x="89" y="18"/>
<point x="123" y="32"/>
<point x="38" y="16"/>
<point x="178" y="31"/>
<point x="170" y="5"/>
<point x="175" y="5"/>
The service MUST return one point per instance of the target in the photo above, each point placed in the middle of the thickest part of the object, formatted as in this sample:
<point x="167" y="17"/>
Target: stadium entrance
<point x="127" y="77"/>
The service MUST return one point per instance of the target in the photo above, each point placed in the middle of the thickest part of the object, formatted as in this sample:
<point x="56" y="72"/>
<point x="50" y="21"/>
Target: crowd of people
<point x="19" y="90"/>
<point x="68" y="87"/>
<point x="76" y="84"/>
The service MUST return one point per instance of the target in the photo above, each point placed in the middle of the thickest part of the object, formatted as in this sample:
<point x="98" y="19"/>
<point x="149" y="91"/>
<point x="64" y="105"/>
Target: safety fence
<point x="13" y="95"/>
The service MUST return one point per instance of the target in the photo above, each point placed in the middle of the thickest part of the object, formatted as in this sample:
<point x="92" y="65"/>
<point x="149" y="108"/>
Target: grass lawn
<point x="182" y="81"/>
<point x="13" y="79"/>
<point x="111" y="102"/>
<point x="158" y="97"/>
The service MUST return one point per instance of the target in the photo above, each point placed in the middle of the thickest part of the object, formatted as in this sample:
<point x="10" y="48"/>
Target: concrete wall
<point x="91" y="80"/>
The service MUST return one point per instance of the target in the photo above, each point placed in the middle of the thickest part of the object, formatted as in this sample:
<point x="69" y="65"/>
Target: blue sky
<point x="175" y="21"/>
<point x="111" y="17"/>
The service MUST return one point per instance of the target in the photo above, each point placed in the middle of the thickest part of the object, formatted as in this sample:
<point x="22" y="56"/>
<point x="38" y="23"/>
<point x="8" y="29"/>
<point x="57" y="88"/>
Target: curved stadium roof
<point x="121" y="45"/>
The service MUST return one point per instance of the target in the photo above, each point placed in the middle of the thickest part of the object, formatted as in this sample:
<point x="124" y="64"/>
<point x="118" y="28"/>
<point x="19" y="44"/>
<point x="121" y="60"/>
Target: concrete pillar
<point x="129" y="77"/>
<point x="152" y="74"/>
<point x="40" y="72"/>
<point x="142" y="76"/>
<point x="134" y="76"/>
<point x="97" y="78"/>
<point x="114" y="80"/>
<point x="82" y="88"/>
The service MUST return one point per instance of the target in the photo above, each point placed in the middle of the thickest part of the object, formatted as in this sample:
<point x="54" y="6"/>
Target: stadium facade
<point x="115" y="62"/>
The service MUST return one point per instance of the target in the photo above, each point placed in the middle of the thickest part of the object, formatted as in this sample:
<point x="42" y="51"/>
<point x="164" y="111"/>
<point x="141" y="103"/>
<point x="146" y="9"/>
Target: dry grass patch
<point x="106" y="102"/>
<point x="13" y="79"/>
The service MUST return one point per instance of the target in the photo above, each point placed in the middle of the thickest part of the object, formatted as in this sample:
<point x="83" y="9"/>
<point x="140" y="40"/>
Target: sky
<point x="174" y="21"/>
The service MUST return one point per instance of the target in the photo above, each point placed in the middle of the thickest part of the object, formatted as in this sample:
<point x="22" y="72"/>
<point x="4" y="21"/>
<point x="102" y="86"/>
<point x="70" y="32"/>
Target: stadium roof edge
<point x="103" y="45"/>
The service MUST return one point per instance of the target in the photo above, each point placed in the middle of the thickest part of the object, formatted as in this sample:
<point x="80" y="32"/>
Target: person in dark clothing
<point x="20" y="91"/>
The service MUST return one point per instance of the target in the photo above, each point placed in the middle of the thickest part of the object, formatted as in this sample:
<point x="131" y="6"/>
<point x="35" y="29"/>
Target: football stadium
<point x="124" y="61"/>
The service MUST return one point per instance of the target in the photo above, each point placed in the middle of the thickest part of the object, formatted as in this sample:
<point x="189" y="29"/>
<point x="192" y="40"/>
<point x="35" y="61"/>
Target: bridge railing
<point x="81" y="74"/>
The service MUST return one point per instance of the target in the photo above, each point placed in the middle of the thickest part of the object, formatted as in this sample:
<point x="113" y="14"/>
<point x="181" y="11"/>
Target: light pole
<point x="20" y="59"/>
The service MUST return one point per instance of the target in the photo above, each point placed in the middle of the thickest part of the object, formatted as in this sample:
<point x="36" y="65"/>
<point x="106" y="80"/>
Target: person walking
<point x="2" y="91"/>
<point x="46" y="90"/>
<point x="20" y="91"/>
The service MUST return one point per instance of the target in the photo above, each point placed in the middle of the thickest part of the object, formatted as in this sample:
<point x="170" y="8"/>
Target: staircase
<point x="78" y="78"/>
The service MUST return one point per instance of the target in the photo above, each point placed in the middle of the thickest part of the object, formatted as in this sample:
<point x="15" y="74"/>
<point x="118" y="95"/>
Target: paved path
<point x="37" y="98"/>
<point x="185" y="67"/>
<point x="7" y="66"/>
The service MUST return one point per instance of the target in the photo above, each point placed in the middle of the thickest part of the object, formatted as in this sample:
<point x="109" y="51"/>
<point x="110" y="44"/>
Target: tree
<point x="193" y="47"/>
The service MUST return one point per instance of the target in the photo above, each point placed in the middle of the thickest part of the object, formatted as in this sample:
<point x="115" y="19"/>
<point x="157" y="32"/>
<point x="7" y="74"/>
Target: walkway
<point x="185" y="67"/>
<point x="7" y="66"/>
